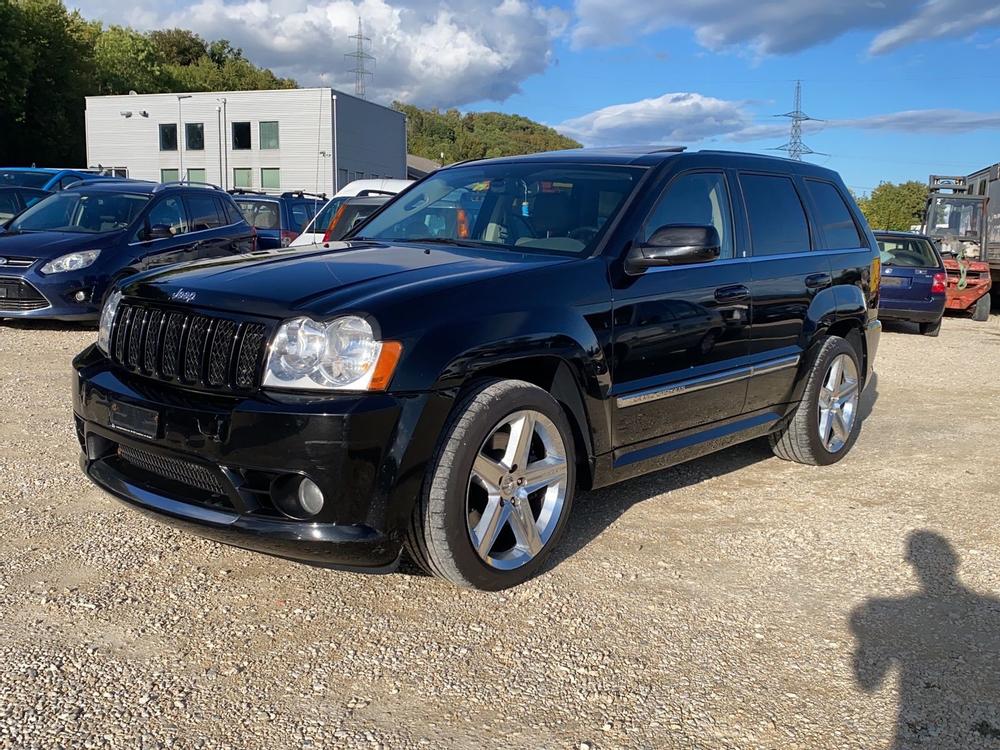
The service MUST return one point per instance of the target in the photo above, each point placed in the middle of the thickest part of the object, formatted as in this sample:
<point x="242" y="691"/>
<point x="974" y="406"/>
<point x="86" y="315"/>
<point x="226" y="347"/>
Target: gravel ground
<point x="738" y="601"/>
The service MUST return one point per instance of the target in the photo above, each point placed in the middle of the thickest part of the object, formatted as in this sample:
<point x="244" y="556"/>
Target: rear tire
<point x="981" y="312"/>
<point x="819" y="432"/>
<point x="931" y="329"/>
<point x="477" y="522"/>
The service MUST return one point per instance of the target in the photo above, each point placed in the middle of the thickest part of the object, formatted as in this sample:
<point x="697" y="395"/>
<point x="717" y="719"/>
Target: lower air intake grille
<point x="175" y="469"/>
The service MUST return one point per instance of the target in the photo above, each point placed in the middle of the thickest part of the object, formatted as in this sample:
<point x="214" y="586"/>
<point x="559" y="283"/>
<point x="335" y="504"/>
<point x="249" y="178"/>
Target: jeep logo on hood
<point x="183" y="295"/>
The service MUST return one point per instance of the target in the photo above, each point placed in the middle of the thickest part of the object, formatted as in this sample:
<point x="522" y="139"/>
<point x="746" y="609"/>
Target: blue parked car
<point x="278" y="219"/>
<point x="46" y="178"/>
<point x="914" y="280"/>
<point x="59" y="257"/>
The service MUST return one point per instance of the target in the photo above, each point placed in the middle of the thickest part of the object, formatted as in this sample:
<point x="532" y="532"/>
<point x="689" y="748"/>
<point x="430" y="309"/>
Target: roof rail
<point x="244" y="191"/>
<point x="106" y="180"/>
<point x="668" y="149"/>
<point x="303" y="194"/>
<point x="190" y="183"/>
<point x="369" y="193"/>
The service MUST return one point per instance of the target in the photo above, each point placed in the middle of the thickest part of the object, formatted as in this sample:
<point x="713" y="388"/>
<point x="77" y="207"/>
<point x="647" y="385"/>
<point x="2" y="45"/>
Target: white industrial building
<point x="292" y="139"/>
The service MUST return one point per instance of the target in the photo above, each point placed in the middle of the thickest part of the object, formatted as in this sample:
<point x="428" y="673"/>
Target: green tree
<point x="126" y="60"/>
<point x="431" y="133"/>
<point x="895" y="207"/>
<point x="178" y="46"/>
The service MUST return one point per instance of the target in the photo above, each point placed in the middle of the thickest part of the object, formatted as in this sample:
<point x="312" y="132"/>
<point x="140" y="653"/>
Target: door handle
<point x="818" y="281"/>
<point x="734" y="293"/>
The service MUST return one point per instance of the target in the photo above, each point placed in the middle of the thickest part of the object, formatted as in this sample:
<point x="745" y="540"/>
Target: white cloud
<point x="671" y="118"/>
<point x="429" y="53"/>
<point x="782" y="26"/>
<point x="689" y="118"/>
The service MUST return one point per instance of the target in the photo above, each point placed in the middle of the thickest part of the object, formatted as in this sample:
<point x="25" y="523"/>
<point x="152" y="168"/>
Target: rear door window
<point x="836" y="225"/>
<point x="203" y="211"/>
<point x="168" y="212"/>
<point x="777" y="219"/>
<point x="302" y="212"/>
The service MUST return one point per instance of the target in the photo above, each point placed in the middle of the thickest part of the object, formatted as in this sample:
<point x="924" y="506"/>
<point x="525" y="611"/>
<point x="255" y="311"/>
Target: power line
<point x="361" y="59"/>
<point x="795" y="147"/>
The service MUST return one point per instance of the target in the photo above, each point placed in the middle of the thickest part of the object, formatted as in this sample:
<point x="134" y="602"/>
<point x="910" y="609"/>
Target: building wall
<point x="372" y="138"/>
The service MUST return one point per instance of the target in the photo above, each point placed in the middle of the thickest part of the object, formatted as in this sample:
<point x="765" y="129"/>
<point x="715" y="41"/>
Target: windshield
<point x="24" y="179"/>
<point x="325" y="216"/>
<point x="560" y="208"/>
<point x="76" y="211"/>
<point x="349" y="216"/>
<point x="948" y="216"/>
<point x="908" y="253"/>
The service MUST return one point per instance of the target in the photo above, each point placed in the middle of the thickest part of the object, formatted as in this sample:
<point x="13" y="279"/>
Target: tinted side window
<point x="302" y="212"/>
<point x="8" y="205"/>
<point x="836" y="225"/>
<point x="777" y="220"/>
<point x="204" y="212"/>
<point x="169" y="213"/>
<point x="232" y="212"/>
<point x="698" y="198"/>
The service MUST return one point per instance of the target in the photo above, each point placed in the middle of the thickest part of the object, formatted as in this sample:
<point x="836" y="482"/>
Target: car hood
<point x="48" y="245"/>
<point x="321" y="280"/>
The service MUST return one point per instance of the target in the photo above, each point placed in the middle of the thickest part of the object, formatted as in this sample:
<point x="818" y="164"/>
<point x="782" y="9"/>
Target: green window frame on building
<point x="270" y="178"/>
<point x="268" y="135"/>
<point x="197" y="175"/>
<point x="169" y="175"/>
<point x="242" y="177"/>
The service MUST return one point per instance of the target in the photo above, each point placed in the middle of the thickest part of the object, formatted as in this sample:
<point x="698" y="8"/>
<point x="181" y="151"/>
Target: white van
<point x="316" y="228"/>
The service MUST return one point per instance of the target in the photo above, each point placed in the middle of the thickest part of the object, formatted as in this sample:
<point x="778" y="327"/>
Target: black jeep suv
<point x="495" y="338"/>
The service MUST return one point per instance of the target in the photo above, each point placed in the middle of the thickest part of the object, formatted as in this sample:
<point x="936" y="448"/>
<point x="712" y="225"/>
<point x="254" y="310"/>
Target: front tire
<point x="499" y="488"/>
<point x="826" y="422"/>
<point x="981" y="312"/>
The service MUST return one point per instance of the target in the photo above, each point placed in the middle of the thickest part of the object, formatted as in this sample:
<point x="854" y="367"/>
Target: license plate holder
<point x="134" y="420"/>
<point x="898" y="281"/>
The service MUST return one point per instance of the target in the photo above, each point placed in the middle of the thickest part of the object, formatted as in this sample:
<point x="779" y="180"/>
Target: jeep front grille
<point x="202" y="351"/>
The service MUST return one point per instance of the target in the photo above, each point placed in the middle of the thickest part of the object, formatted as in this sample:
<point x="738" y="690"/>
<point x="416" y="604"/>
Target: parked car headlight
<point x="107" y="320"/>
<point x="342" y="354"/>
<point x="71" y="262"/>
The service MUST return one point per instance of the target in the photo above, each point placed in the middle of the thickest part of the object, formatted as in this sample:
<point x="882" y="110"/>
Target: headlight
<point x="71" y="262"/>
<point x="107" y="320"/>
<point x="341" y="354"/>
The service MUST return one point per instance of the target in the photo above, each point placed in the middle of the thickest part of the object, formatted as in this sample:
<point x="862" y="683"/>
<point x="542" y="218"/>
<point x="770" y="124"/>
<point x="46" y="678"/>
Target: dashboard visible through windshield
<point x="524" y="206"/>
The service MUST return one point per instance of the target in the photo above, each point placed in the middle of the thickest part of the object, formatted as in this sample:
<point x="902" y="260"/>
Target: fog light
<point x="80" y="296"/>
<point x="296" y="496"/>
<point x="310" y="497"/>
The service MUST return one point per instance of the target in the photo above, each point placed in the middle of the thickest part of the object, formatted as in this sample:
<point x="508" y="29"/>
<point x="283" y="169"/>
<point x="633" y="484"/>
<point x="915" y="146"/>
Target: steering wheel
<point x="583" y="234"/>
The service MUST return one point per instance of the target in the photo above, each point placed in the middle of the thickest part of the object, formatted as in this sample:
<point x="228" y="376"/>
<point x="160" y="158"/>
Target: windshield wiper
<point x="453" y="241"/>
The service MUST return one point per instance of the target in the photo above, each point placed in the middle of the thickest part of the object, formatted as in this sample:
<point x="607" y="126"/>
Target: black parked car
<point x="59" y="257"/>
<point x="448" y="386"/>
<point x="278" y="219"/>
<point x="13" y="200"/>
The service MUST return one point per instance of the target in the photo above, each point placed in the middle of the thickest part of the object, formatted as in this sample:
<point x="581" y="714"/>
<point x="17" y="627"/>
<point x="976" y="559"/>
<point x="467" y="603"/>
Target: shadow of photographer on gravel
<point x="945" y="642"/>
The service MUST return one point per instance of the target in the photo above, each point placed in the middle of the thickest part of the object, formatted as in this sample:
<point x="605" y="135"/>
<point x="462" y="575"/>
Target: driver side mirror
<point x="675" y="245"/>
<point x="157" y="232"/>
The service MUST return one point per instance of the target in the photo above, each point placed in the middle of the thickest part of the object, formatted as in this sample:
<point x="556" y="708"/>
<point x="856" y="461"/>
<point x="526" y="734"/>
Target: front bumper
<point x="51" y="297"/>
<point x="367" y="453"/>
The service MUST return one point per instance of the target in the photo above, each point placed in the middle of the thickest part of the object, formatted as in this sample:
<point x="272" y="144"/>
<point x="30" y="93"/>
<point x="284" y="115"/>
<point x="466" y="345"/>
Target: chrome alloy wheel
<point x="517" y="490"/>
<point x="838" y="403"/>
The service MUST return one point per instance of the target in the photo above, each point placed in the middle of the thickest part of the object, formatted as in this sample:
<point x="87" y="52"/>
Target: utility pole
<point x="361" y="59"/>
<point x="795" y="147"/>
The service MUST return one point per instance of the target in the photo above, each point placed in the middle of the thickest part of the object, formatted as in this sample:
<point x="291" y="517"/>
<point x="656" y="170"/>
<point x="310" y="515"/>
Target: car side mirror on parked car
<point x="675" y="245"/>
<point x="157" y="232"/>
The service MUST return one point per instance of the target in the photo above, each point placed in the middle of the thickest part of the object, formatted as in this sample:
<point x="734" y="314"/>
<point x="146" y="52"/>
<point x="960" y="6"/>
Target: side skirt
<point x="663" y="452"/>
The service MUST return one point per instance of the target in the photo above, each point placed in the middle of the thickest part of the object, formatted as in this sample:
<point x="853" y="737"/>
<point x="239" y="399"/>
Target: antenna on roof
<point x="361" y="58"/>
<point x="795" y="147"/>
